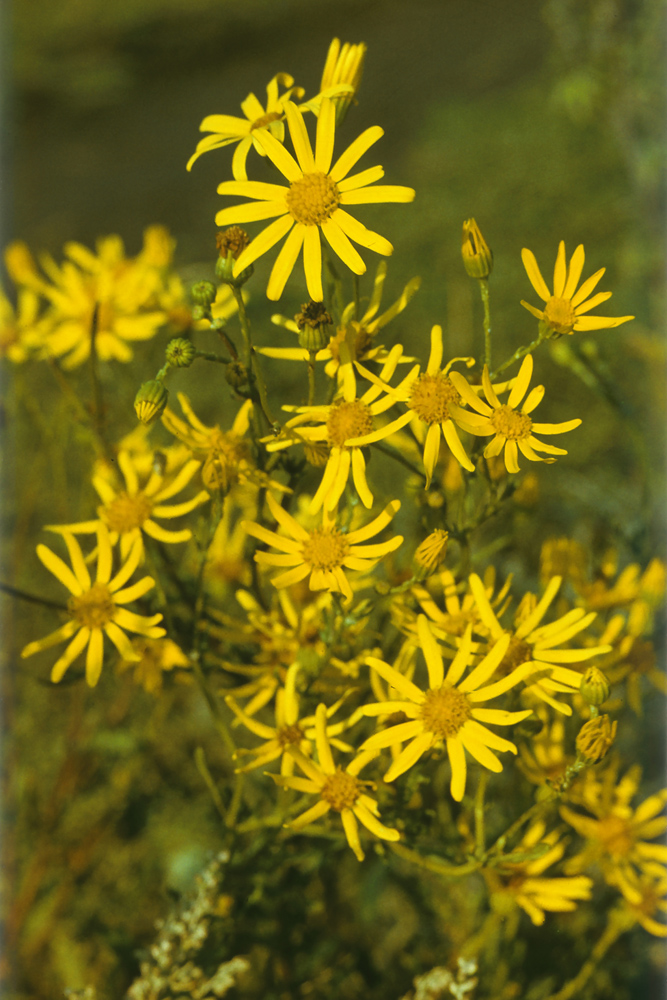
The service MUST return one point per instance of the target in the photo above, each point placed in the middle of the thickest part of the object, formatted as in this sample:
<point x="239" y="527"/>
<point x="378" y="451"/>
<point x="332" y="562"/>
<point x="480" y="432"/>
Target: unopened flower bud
<point x="314" y="324"/>
<point x="477" y="257"/>
<point x="594" y="687"/>
<point x="231" y="243"/>
<point x="203" y="293"/>
<point x="236" y="374"/>
<point x="431" y="552"/>
<point x="180" y="352"/>
<point x="150" y="401"/>
<point x="595" y="738"/>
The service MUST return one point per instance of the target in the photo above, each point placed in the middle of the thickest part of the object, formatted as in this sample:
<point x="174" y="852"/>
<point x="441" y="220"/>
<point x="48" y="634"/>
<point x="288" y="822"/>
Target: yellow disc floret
<point x="348" y="420"/>
<point x="431" y="396"/>
<point x="444" y="711"/>
<point x="94" y="608"/>
<point x="313" y="198"/>
<point x="512" y="425"/>
<point x="126" y="512"/>
<point x="341" y="790"/>
<point x="325" y="549"/>
<point x="560" y="315"/>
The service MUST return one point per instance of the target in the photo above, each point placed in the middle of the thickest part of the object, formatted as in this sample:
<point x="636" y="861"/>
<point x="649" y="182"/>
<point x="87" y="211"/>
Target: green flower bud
<point x="314" y="324"/>
<point x="224" y="271"/>
<point x="180" y="352"/>
<point x="204" y="293"/>
<point x="150" y="401"/>
<point x="231" y="243"/>
<point x="477" y="258"/>
<point x="594" y="687"/>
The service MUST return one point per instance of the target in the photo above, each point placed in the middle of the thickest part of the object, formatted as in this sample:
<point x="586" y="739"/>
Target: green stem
<point x="520" y="353"/>
<point x="434" y="864"/>
<point x="480" y="839"/>
<point x="484" y="292"/>
<point x="311" y="377"/>
<point x="101" y="446"/>
<point x="208" y="356"/>
<point x="202" y="767"/>
<point x="256" y="382"/>
<point x="396" y="455"/>
<point x="619" y="922"/>
<point x="22" y="595"/>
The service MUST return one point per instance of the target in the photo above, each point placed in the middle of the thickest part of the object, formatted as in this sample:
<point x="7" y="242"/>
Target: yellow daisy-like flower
<point x="530" y="642"/>
<point x="323" y="553"/>
<point x="116" y="294"/>
<point x="565" y="310"/>
<point x="429" y="396"/>
<point x="95" y="608"/>
<point x="338" y="789"/>
<point x="288" y="732"/>
<point x="460" y="612"/>
<point x="129" y="512"/>
<point x="153" y="657"/>
<point x="229" y="128"/>
<point x="447" y="712"/>
<point x="346" y="426"/>
<point x="353" y="340"/>
<point x="526" y="886"/>
<point x="617" y="836"/>
<point x="513" y="428"/>
<point x="646" y="898"/>
<point x="311" y="202"/>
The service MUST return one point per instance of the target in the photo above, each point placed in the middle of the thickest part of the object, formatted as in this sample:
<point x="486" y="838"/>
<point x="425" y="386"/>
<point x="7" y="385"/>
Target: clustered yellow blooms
<point x="297" y="505"/>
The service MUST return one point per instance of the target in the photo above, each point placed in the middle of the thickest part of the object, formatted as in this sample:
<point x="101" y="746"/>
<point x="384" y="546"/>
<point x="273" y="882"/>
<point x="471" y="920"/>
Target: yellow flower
<point x="447" y="712"/>
<point x="564" y="310"/>
<point x="288" y="732"/>
<point x="21" y="332"/>
<point x="311" y="202"/>
<point x="429" y="397"/>
<point x="644" y="897"/>
<point x="617" y="837"/>
<point x="525" y="884"/>
<point x="530" y="642"/>
<point x="129" y="512"/>
<point x="346" y="426"/>
<point x="115" y="294"/>
<point x="460" y="611"/>
<point x="511" y="427"/>
<point x="323" y="553"/>
<point x="153" y="658"/>
<point x="95" y="608"/>
<point x="338" y="789"/>
<point x="229" y="128"/>
<point x="545" y="760"/>
<point x="353" y="340"/>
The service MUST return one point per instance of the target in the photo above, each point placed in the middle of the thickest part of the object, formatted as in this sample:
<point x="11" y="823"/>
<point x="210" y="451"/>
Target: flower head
<point x="129" y="513"/>
<point x="94" y="608"/>
<point x="323" y="553"/>
<point x="21" y="330"/>
<point x="312" y="202"/>
<point x="338" y="789"/>
<point x="346" y="426"/>
<point x="344" y="66"/>
<point x="512" y="428"/>
<point x="447" y="712"/>
<point x="565" y="309"/>
<point x="153" y="657"/>
<point x="532" y="642"/>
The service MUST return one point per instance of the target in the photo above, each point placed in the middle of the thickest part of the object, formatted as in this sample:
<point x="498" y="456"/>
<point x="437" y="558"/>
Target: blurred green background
<point x="544" y="120"/>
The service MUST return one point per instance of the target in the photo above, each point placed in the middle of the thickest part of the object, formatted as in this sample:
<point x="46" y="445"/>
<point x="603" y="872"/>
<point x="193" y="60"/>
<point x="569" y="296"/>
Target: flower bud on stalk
<point x="203" y="293"/>
<point x="477" y="257"/>
<point x="180" y="352"/>
<point x="150" y="401"/>
<point x="314" y="324"/>
<point x="231" y="243"/>
<point x="594" y="687"/>
<point x="595" y="738"/>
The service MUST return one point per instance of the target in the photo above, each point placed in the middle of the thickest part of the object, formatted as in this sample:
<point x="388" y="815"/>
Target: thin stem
<point x="484" y="292"/>
<point x="256" y="382"/>
<point x="434" y="864"/>
<point x="209" y="356"/>
<point x="520" y="353"/>
<point x="396" y="455"/>
<point x="101" y="446"/>
<point x="357" y="301"/>
<point x="619" y="922"/>
<point x="480" y="838"/>
<point x="202" y="767"/>
<point x="311" y="377"/>
<point x="98" y="401"/>
<point x="22" y="595"/>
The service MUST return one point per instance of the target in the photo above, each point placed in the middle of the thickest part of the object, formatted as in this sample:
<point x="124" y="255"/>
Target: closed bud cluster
<point x="596" y="738"/>
<point x="477" y="257"/>
<point x="231" y="243"/>
<point x="594" y="687"/>
<point x="431" y="552"/>
<point x="150" y="401"/>
<point x="180" y="352"/>
<point x="236" y="374"/>
<point x="313" y="322"/>
<point x="203" y="293"/>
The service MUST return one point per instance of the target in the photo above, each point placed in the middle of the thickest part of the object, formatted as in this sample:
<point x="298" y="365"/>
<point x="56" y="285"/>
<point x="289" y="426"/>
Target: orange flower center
<point x="348" y="420"/>
<point x="444" y="711"/>
<point x="341" y="790"/>
<point x="125" y="512"/>
<point x="289" y="736"/>
<point x="313" y="199"/>
<point x="270" y="116"/>
<point x="325" y="549"/>
<point x="518" y="652"/>
<point x="616" y="836"/>
<point x="358" y="340"/>
<point x="430" y="397"/>
<point x="512" y="425"/>
<point x="560" y="315"/>
<point x="94" y="608"/>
